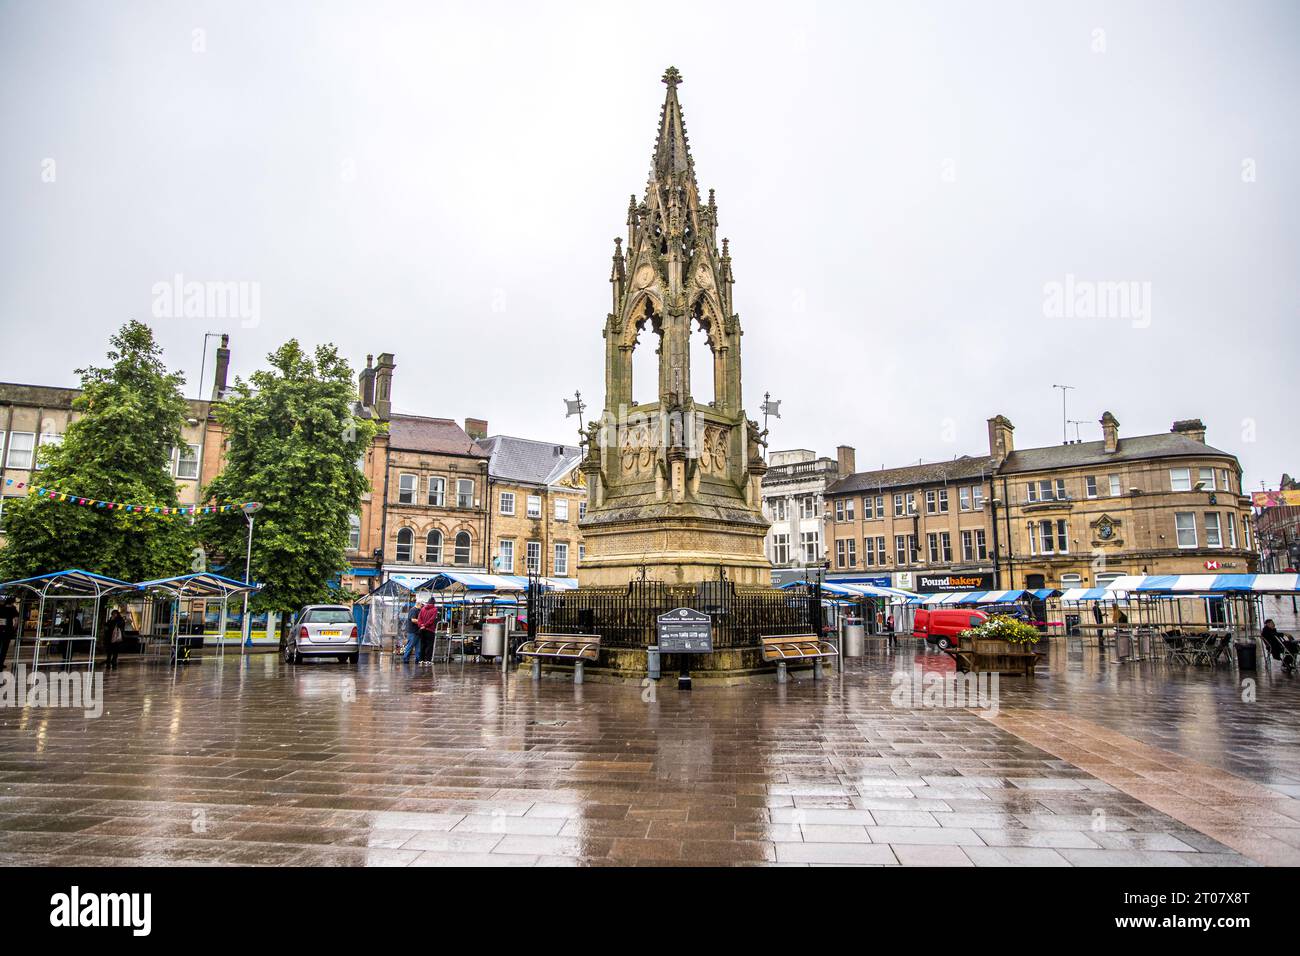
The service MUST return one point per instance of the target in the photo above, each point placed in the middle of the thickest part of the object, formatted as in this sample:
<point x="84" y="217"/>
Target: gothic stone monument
<point x="673" y="484"/>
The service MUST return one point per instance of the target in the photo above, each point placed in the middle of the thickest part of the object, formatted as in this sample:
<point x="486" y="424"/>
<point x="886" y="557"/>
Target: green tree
<point x="131" y="416"/>
<point x="294" y="442"/>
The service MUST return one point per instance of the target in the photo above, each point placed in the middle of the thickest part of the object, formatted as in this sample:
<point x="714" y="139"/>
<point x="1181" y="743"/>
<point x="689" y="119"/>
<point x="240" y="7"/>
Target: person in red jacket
<point x="428" y="623"/>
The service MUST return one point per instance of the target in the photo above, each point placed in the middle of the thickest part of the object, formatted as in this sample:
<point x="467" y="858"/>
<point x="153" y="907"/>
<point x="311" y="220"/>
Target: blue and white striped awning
<point x="846" y="589"/>
<point x="477" y="581"/>
<point x="969" y="597"/>
<point x="1073" y="595"/>
<point x="1207" y="584"/>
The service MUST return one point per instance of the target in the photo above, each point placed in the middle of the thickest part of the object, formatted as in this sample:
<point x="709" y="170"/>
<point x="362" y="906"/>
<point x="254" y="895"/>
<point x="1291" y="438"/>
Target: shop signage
<point x="926" y="583"/>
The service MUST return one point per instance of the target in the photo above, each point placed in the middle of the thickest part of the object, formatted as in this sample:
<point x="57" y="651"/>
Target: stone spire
<point x="672" y="157"/>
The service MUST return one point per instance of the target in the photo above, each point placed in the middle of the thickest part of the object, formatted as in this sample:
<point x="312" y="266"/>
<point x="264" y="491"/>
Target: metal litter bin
<point x="1123" y="645"/>
<point x="855" y="640"/>
<point x="494" y="637"/>
<point x="1246" y="656"/>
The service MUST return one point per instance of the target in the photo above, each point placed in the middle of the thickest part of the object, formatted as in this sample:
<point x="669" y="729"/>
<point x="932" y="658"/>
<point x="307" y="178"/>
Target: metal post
<point x="577" y="671"/>
<point x="245" y="632"/>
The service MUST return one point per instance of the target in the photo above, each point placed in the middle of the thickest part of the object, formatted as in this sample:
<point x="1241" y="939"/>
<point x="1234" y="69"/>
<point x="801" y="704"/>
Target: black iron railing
<point x="625" y="617"/>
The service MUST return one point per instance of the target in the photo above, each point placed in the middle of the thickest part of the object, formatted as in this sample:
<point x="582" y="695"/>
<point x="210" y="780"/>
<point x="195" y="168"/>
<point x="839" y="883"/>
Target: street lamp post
<point x="249" y="510"/>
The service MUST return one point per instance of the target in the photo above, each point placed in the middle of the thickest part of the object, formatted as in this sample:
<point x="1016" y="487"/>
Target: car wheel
<point x="943" y="643"/>
<point x="291" y="655"/>
<point x="352" y="658"/>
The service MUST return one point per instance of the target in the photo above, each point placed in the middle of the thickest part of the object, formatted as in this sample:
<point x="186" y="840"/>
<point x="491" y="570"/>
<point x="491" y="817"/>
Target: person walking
<point x="412" y="634"/>
<point x="8" y="627"/>
<point x="428" y="622"/>
<point x="116" y="637"/>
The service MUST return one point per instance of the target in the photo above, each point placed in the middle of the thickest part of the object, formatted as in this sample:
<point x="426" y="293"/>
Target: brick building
<point x="537" y="495"/>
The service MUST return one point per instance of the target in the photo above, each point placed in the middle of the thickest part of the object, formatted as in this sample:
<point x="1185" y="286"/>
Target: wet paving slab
<point x="249" y="761"/>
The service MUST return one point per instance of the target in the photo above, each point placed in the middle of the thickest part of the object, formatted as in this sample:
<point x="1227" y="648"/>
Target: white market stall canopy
<point x="1206" y="584"/>
<point x="474" y="581"/>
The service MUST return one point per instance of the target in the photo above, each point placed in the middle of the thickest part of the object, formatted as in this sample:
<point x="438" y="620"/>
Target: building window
<point x="1180" y="479"/>
<point x="869" y="552"/>
<point x="1114" y="486"/>
<point x="1046" y="490"/>
<point x="507" y="502"/>
<point x="780" y="549"/>
<point x="464" y="492"/>
<point x="462" y="548"/>
<point x="1232" y="530"/>
<point x="981" y="551"/>
<point x="839" y="509"/>
<point x="561" y="509"/>
<point x="405" y="544"/>
<point x="963" y="498"/>
<point x="582" y="553"/>
<point x="1213" y="535"/>
<point x="354" y="532"/>
<point x="533" y="555"/>
<point x="977" y="497"/>
<point x="898" y="506"/>
<point x="1185" y="526"/>
<point x="187" y="461"/>
<point x="1226" y="484"/>
<point x="848" y="510"/>
<point x="406" y="489"/>
<point x="911" y="502"/>
<point x="943" y="501"/>
<point x="1071" y="581"/>
<point x="561" y="559"/>
<point x="846" y="553"/>
<point x="840" y="551"/>
<point x="779" y="510"/>
<point x="880" y="506"/>
<point x="945" y="545"/>
<point x="506" y="554"/>
<point x="808" y="506"/>
<point x="534" y="506"/>
<point x="437" y="492"/>
<point x="881" y="557"/>
<point x="811" y="545"/>
<point x="1205" y="478"/>
<point x="968" y="545"/>
<point x="21" y="450"/>
<point x="433" y="547"/>
<point x="932" y="546"/>
<point x="1090" y="486"/>
<point x="931" y="502"/>
<point x="582" y="509"/>
<point x="1105" y="579"/>
<point x="900" y="549"/>
<point x="52" y="440"/>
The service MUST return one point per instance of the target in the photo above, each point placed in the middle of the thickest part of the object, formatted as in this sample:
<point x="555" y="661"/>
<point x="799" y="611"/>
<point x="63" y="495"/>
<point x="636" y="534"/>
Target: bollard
<point x="537" y="669"/>
<point x="577" y="671"/>
<point x="652" y="662"/>
<point x="817" y="668"/>
<point x="780" y="672"/>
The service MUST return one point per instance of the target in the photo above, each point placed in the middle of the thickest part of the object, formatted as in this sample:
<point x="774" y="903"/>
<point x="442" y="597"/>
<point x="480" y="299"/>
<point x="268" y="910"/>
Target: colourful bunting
<point x="189" y="510"/>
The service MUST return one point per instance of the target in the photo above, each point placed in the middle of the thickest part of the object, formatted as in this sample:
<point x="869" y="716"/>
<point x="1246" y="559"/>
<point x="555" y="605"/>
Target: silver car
<point x="323" y="629"/>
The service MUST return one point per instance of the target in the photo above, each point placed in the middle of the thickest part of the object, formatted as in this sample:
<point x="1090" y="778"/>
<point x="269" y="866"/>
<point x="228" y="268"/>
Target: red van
<point x="942" y="625"/>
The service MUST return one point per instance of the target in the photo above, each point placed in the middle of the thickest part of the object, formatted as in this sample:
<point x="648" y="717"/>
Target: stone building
<point x="537" y="494"/>
<point x="1083" y="513"/>
<point x="926" y="526"/>
<point x="1277" y="526"/>
<point x="674" y="484"/>
<point x="1074" y="515"/>
<point x="794" y="503"/>
<point x="37" y="416"/>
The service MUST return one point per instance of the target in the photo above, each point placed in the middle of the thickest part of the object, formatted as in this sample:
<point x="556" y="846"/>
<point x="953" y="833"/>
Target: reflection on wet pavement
<point x="251" y="761"/>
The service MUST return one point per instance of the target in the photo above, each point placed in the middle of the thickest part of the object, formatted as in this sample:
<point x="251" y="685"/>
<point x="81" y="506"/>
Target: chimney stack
<point x="223" y="370"/>
<point x="366" y="383"/>
<point x="384" y="386"/>
<point x="1110" y="432"/>
<point x="476" y="428"/>
<point x="1193" y="428"/>
<point x="846" y="460"/>
<point x="1001" y="441"/>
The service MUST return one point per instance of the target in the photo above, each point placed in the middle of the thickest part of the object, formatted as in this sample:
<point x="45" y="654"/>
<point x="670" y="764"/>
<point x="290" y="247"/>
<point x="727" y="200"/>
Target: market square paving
<point x="252" y="761"/>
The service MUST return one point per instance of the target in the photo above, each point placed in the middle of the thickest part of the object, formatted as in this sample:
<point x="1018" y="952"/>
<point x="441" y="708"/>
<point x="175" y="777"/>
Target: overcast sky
<point x="902" y="183"/>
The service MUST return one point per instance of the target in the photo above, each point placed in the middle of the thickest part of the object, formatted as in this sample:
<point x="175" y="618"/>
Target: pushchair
<point x="1283" y="650"/>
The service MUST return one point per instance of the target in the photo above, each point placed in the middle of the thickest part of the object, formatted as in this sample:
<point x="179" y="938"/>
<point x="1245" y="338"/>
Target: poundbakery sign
<point x="954" y="582"/>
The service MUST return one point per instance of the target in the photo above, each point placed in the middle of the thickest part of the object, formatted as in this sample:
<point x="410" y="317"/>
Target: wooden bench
<point x="564" y="647"/>
<point x="796" y="647"/>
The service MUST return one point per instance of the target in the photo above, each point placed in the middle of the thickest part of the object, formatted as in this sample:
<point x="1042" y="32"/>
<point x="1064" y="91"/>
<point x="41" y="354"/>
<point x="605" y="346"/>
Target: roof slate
<point x="440" y="436"/>
<point x="527" y="461"/>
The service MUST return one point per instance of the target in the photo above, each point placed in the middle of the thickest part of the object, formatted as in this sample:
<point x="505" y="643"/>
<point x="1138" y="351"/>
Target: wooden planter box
<point x="994" y="655"/>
